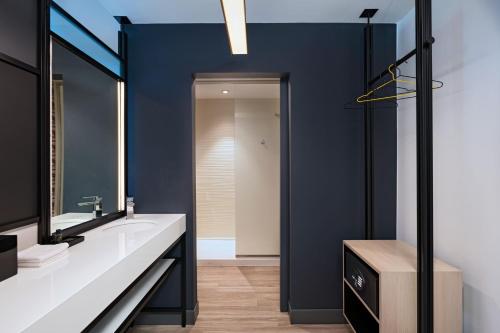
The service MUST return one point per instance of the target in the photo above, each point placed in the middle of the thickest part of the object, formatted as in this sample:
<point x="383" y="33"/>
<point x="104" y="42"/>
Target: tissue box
<point x="8" y="256"/>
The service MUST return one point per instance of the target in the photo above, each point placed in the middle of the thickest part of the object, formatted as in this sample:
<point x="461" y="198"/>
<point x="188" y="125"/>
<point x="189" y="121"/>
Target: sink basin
<point x="132" y="226"/>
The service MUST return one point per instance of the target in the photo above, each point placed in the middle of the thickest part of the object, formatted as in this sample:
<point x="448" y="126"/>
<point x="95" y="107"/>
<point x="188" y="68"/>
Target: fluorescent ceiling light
<point x="225" y="92"/>
<point x="235" y="17"/>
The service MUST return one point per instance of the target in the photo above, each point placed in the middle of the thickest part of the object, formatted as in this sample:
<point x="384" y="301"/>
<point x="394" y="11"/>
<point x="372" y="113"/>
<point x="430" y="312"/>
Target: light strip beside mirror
<point x="235" y="17"/>
<point x="121" y="145"/>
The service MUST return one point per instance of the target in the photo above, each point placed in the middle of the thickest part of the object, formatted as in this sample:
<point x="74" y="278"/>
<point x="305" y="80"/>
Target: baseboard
<point x="192" y="315"/>
<point x="316" y="316"/>
<point x="158" y="318"/>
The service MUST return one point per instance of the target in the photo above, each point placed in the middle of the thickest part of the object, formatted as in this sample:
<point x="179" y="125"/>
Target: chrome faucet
<point x="96" y="203"/>
<point x="130" y="208"/>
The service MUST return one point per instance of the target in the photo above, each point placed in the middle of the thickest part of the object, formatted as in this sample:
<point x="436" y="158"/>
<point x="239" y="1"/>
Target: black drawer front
<point x="361" y="278"/>
<point x="358" y="315"/>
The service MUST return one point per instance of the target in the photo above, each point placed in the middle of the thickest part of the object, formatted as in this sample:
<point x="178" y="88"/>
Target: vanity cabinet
<point x="104" y="283"/>
<point x="380" y="289"/>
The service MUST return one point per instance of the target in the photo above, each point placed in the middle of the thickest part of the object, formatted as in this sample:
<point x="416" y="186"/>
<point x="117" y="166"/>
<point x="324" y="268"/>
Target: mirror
<point x="86" y="140"/>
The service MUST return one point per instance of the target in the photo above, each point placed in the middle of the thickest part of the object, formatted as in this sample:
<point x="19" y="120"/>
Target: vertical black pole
<point x="44" y="121"/>
<point x="368" y="115"/>
<point x="123" y="52"/>
<point x="284" y="194"/>
<point x="183" y="282"/>
<point x="424" y="165"/>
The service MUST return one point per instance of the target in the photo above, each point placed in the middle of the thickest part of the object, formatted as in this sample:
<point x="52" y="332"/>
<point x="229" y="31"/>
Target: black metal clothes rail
<point x="398" y="63"/>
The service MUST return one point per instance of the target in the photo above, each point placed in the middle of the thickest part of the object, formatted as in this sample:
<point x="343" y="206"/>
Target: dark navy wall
<point x="325" y="62"/>
<point x="384" y="142"/>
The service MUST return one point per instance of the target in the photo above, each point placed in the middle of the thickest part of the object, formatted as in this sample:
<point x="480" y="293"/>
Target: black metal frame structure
<point x="44" y="224"/>
<point x="142" y="306"/>
<point x="182" y="309"/>
<point x="423" y="53"/>
<point x="45" y="232"/>
<point x="285" y="152"/>
<point x="425" y="234"/>
<point x="368" y="122"/>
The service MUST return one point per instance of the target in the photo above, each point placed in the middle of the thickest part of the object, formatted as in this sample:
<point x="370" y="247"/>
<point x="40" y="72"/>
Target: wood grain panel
<point x="396" y="263"/>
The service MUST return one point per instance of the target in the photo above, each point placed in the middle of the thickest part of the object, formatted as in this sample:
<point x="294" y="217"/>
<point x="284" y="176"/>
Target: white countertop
<point x="67" y="295"/>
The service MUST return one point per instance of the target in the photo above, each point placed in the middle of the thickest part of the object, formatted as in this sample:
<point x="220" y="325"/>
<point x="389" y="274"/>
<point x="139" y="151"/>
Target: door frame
<point x="285" y="124"/>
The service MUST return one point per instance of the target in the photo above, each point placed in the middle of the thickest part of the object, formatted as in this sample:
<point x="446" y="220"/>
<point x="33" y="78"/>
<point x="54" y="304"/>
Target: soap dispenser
<point x="130" y="207"/>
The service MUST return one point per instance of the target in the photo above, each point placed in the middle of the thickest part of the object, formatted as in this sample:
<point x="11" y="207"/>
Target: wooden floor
<point x="241" y="300"/>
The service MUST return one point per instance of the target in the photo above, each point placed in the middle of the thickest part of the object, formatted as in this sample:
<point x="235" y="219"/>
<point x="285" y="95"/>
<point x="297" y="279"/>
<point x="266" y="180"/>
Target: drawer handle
<point x="358" y="280"/>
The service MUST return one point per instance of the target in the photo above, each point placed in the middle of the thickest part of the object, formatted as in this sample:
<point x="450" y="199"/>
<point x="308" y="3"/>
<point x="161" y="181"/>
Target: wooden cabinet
<point x="380" y="289"/>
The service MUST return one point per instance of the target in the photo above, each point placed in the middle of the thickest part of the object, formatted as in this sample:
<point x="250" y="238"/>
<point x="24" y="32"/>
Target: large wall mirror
<point x="87" y="145"/>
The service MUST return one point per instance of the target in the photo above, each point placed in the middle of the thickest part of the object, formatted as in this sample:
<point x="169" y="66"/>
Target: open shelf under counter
<point x="380" y="289"/>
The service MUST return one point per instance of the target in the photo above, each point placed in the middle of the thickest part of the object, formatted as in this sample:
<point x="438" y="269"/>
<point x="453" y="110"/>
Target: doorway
<point x="237" y="144"/>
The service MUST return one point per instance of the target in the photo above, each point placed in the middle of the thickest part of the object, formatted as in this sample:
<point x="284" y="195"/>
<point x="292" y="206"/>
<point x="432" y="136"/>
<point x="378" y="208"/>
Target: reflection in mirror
<point x="86" y="152"/>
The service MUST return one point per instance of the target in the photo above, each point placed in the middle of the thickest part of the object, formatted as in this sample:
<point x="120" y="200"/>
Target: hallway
<point x="241" y="300"/>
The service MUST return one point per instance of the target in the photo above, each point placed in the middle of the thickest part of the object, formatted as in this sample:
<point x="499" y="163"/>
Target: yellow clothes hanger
<point x="395" y="78"/>
<point x="362" y="98"/>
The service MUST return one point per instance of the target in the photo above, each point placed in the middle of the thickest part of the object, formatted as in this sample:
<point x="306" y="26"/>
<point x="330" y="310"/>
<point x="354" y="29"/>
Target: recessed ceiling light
<point x="225" y="92"/>
<point x="235" y="17"/>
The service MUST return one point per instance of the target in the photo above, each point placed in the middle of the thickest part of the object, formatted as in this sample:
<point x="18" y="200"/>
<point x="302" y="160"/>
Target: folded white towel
<point x="40" y="253"/>
<point x="47" y="262"/>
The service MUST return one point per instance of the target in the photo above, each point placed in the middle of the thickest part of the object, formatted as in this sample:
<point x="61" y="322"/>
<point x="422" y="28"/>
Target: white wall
<point x="215" y="188"/>
<point x="466" y="151"/>
<point x="257" y="170"/>
<point x="94" y="17"/>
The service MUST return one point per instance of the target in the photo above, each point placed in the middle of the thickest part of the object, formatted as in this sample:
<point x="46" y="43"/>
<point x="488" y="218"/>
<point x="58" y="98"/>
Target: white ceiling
<point x="213" y="90"/>
<point x="258" y="11"/>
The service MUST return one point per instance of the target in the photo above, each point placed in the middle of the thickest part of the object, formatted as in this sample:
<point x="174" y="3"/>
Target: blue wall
<point x="325" y="62"/>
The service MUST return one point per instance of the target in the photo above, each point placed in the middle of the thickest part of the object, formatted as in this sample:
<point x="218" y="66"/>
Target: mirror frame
<point x="45" y="232"/>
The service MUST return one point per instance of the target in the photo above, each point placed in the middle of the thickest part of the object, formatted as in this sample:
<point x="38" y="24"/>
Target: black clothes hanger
<point x="354" y="105"/>
<point x="440" y="84"/>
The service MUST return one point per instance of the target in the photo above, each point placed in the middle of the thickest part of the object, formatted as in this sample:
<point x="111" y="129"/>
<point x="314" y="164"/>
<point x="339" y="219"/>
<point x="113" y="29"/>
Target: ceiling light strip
<point x="235" y="18"/>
